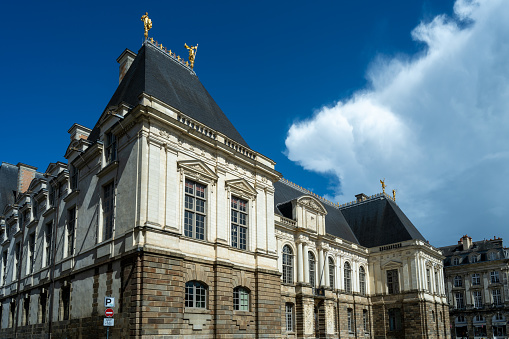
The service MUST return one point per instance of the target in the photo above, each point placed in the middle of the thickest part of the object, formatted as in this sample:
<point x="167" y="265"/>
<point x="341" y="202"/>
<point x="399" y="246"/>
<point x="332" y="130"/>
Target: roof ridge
<point x="174" y="57"/>
<point x="306" y="191"/>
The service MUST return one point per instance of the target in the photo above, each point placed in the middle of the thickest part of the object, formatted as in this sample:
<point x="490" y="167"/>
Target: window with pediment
<point x="195" y="207"/>
<point x="239" y="222"/>
<point x="392" y="282"/>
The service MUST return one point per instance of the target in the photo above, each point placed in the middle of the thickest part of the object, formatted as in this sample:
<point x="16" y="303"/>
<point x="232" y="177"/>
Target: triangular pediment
<point x="198" y="167"/>
<point x="312" y="203"/>
<point x="241" y="185"/>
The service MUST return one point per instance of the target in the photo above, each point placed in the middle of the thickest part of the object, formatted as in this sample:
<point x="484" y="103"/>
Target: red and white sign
<point x="108" y="312"/>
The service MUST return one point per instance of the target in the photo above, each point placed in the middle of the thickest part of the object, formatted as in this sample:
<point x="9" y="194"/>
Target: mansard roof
<point x="335" y="223"/>
<point x="156" y="73"/>
<point x="378" y="221"/>
<point x="482" y="246"/>
<point x="373" y="222"/>
<point x="8" y="184"/>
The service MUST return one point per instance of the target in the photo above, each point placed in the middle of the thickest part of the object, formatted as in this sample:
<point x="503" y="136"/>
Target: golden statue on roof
<point x="394" y="195"/>
<point x="147" y="23"/>
<point x="192" y="53"/>
<point x="383" y="185"/>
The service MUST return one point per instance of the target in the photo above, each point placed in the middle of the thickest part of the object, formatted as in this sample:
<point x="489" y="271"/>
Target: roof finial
<point x="394" y="195"/>
<point x="147" y="24"/>
<point x="192" y="53"/>
<point x="383" y="185"/>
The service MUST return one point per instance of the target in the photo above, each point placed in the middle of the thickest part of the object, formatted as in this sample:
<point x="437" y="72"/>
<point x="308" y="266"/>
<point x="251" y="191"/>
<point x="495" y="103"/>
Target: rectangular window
<point x="43" y="299"/>
<point x="71" y="223"/>
<point x="108" y="209"/>
<point x="195" y="210"/>
<point x="428" y="279"/>
<point x="26" y="310"/>
<point x="392" y="282"/>
<point x="289" y="317"/>
<point x="476" y="279"/>
<point x="497" y="297"/>
<point x="48" y="241"/>
<point x="17" y="253"/>
<point x="111" y="148"/>
<point x="365" y="320"/>
<point x="35" y="208"/>
<point x="458" y="282"/>
<point x="494" y="277"/>
<point x="74" y="177"/>
<point x="51" y="196"/>
<point x="477" y="299"/>
<point x="65" y="302"/>
<point x="31" y="252"/>
<point x="239" y="222"/>
<point x="350" y="320"/>
<point x="394" y="319"/>
<point x="459" y="300"/>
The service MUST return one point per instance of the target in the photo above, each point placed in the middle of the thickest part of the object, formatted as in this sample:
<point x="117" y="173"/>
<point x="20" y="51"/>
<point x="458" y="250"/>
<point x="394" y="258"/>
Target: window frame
<point x="350" y="320"/>
<point x="458" y="281"/>
<point x="241" y="299"/>
<point x="494" y="277"/>
<point x="48" y="244"/>
<point x="191" y="295"/>
<point x="393" y="281"/>
<point x="477" y="298"/>
<point x="347" y="269"/>
<point x="70" y="230"/>
<point x="362" y="280"/>
<point x="108" y="211"/>
<point x="476" y="279"/>
<point x="289" y="317"/>
<point x="191" y="227"/>
<point x="312" y="269"/>
<point x="287" y="264"/>
<point x="497" y="299"/>
<point x="460" y="300"/>
<point x="239" y="222"/>
<point x="394" y="319"/>
<point x="332" y="273"/>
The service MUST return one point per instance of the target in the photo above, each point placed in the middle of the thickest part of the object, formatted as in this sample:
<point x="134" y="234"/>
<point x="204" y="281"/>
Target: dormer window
<point x="474" y="258"/>
<point x="456" y="261"/>
<point x="111" y="148"/>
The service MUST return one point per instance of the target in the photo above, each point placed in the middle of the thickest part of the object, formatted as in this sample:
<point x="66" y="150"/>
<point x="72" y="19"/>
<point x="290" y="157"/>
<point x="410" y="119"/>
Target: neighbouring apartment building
<point x="477" y="286"/>
<point x="164" y="206"/>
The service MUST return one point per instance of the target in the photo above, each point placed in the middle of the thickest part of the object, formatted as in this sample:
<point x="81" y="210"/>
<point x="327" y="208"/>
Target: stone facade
<point x="476" y="278"/>
<point x="179" y="223"/>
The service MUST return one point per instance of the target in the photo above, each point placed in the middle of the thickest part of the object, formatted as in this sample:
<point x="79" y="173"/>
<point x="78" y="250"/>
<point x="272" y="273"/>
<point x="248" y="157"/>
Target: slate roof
<point x="379" y="221"/>
<point x="156" y="73"/>
<point x="8" y="184"/>
<point x="481" y="247"/>
<point x="370" y="223"/>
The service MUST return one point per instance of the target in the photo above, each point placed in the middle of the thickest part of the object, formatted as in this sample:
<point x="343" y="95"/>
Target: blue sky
<point x="339" y="93"/>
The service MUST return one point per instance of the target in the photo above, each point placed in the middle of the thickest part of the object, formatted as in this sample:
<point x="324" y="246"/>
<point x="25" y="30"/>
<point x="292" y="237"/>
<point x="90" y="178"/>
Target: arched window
<point x="332" y="268"/>
<point x="240" y="299"/>
<point x="362" y="280"/>
<point x="196" y="294"/>
<point x="312" y="262"/>
<point x="287" y="265"/>
<point x="348" y="278"/>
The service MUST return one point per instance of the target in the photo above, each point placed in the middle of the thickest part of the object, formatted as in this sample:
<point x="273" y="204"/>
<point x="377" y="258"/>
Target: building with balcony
<point x="476" y="279"/>
<point x="163" y="206"/>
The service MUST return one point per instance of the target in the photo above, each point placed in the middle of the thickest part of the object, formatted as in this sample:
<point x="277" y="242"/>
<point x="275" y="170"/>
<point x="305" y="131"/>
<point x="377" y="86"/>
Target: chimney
<point x="26" y="174"/>
<point x="467" y="242"/>
<point x="361" y="197"/>
<point x="125" y="60"/>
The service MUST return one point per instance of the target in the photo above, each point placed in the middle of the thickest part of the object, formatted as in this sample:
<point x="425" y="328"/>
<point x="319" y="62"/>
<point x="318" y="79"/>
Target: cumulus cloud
<point x="435" y="125"/>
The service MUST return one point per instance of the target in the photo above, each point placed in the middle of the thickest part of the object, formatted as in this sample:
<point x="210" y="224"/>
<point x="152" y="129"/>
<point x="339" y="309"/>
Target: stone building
<point x="164" y="206"/>
<point x="476" y="279"/>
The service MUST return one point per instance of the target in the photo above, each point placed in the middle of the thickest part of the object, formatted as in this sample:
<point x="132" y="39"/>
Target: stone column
<point x="306" y="262"/>
<point x="300" y="263"/>
<point x="326" y="270"/>
<point x="321" y="279"/>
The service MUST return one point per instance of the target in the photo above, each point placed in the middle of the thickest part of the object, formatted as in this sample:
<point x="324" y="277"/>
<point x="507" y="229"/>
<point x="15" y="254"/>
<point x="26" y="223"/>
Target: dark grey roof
<point x="155" y="73"/>
<point x="8" y="184"/>
<point x="481" y="247"/>
<point x="335" y="223"/>
<point x="379" y="221"/>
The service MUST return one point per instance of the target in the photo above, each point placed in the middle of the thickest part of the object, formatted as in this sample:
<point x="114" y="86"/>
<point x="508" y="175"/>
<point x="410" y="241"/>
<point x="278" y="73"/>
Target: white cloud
<point x="435" y="126"/>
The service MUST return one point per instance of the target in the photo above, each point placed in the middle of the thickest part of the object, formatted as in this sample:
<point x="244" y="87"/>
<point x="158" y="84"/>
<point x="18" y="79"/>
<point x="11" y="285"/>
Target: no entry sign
<point x="108" y="312"/>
